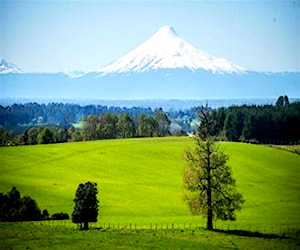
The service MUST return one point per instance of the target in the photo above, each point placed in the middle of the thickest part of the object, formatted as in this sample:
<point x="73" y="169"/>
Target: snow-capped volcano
<point x="6" y="67"/>
<point x="166" y="50"/>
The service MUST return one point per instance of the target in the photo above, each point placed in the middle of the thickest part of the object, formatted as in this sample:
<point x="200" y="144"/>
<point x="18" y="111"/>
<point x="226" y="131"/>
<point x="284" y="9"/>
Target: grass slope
<point x="27" y="236"/>
<point x="140" y="180"/>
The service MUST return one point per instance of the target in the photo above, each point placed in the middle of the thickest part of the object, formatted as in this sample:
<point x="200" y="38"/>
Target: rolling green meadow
<point x="140" y="182"/>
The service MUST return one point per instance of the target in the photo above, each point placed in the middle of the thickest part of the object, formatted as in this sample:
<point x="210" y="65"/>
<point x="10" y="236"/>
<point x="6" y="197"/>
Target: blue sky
<point x="52" y="36"/>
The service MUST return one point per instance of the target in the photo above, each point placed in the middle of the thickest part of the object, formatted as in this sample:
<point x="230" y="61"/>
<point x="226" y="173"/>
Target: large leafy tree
<point x="86" y="205"/>
<point x="211" y="189"/>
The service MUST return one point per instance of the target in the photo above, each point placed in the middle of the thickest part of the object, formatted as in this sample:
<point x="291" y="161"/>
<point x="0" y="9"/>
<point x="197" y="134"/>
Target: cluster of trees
<point x="274" y="124"/>
<point x="260" y="124"/>
<point x="58" y="114"/>
<point x="39" y="135"/>
<point x="13" y="207"/>
<point x="105" y="126"/>
<point x="110" y="126"/>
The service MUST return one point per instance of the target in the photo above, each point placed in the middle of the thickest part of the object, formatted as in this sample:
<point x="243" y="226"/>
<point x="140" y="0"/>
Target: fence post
<point x="156" y="226"/>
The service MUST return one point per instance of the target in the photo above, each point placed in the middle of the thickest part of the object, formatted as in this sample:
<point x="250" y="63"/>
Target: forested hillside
<point x="34" y="123"/>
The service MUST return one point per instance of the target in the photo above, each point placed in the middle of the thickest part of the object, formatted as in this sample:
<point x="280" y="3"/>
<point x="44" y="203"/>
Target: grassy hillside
<point x="27" y="236"/>
<point x="140" y="180"/>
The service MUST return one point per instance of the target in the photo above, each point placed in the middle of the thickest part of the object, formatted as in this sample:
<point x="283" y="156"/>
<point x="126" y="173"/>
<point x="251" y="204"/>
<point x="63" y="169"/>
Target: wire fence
<point x="240" y="229"/>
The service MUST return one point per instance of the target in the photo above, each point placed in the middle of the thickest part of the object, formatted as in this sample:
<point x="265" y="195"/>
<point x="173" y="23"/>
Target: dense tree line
<point x="269" y="124"/>
<point x="275" y="124"/>
<point x="58" y="114"/>
<point x="261" y="124"/>
<point x="105" y="126"/>
<point x="39" y="135"/>
<point x="110" y="126"/>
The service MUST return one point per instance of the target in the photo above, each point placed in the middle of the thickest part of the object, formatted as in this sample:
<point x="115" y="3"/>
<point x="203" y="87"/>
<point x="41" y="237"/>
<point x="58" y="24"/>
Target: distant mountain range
<point x="163" y="67"/>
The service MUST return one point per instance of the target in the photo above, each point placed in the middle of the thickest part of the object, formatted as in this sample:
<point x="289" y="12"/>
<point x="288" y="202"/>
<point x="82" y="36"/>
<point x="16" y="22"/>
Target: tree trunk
<point x="209" y="223"/>
<point x="86" y="225"/>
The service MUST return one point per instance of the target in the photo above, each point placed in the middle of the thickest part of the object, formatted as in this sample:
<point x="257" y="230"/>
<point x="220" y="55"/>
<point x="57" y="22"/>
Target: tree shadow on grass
<point x="251" y="234"/>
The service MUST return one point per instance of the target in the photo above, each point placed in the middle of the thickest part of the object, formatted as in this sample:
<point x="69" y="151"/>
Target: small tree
<point x="208" y="178"/>
<point x="86" y="205"/>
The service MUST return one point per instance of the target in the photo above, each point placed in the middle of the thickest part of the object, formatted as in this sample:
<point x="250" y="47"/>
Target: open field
<point x="28" y="235"/>
<point x="140" y="181"/>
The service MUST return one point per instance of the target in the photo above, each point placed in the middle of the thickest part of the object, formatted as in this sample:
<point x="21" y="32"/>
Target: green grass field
<point x="29" y="235"/>
<point x="140" y="180"/>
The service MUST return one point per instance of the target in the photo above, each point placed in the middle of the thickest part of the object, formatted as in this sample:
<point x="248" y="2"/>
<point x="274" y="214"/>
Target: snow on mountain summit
<point x="166" y="50"/>
<point x="6" y="67"/>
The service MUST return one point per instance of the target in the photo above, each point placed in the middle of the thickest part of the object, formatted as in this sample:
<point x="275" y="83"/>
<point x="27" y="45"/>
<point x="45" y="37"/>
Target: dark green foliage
<point x="32" y="136"/>
<point x="207" y="123"/>
<point x="15" y="208"/>
<point x="60" y="135"/>
<point x="74" y="134"/>
<point x="86" y="204"/>
<point x="208" y="178"/>
<point x="126" y="127"/>
<point x="34" y="114"/>
<point x="59" y="216"/>
<point x="264" y="124"/>
<point x="282" y="101"/>
<point x="163" y="122"/>
<point x="45" y="136"/>
<point x="107" y="126"/>
<point x="6" y="137"/>
<point x="147" y="126"/>
<point x="100" y="127"/>
<point x="274" y="124"/>
<point x="45" y="214"/>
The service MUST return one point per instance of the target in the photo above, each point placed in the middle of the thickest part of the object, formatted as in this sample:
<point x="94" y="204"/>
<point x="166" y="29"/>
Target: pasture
<point x="140" y="181"/>
<point x="31" y="235"/>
